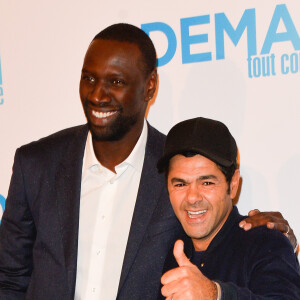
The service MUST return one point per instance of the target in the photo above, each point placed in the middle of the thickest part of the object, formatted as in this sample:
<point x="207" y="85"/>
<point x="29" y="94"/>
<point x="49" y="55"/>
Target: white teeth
<point x="195" y="214"/>
<point x="102" y="114"/>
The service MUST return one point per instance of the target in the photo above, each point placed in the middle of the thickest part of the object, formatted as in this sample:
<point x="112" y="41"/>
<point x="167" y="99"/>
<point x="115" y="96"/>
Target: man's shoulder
<point x="156" y="139"/>
<point x="156" y="133"/>
<point x="266" y="235"/>
<point x="261" y="241"/>
<point x="56" y="140"/>
<point x="255" y="235"/>
<point x="257" y="242"/>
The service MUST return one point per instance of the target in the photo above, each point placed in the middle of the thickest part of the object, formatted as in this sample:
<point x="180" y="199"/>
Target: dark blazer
<point x="39" y="228"/>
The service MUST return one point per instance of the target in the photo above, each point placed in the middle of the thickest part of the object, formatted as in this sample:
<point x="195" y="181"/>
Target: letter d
<point x="172" y="43"/>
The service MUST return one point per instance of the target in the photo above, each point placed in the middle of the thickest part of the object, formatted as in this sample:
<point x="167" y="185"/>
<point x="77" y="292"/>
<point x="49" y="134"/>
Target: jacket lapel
<point x="68" y="186"/>
<point x="149" y="190"/>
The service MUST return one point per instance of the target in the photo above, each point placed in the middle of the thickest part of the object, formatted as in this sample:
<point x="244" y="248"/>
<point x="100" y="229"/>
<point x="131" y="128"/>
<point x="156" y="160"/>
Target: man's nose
<point x="99" y="94"/>
<point x="194" y="193"/>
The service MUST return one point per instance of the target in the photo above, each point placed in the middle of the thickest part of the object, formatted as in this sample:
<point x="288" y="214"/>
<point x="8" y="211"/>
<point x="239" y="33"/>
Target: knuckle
<point x="163" y="291"/>
<point x="277" y="214"/>
<point x="183" y="271"/>
<point x="185" y="282"/>
<point x="188" y="294"/>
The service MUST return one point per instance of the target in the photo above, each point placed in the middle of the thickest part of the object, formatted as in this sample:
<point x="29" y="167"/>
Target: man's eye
<point x="118" y="82"/>
<point x="179" y="184"/>
<point x="88" y="78"/>
<point x="207" y="183"/>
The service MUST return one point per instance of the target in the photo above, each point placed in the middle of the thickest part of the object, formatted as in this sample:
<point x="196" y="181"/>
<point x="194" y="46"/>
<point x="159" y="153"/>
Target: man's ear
<point x="151" y="85"/>
<point x="234" y="184"/>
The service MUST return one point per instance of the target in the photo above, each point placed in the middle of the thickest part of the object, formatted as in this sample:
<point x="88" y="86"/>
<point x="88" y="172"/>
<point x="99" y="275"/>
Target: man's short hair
<point x="124" y="32"/>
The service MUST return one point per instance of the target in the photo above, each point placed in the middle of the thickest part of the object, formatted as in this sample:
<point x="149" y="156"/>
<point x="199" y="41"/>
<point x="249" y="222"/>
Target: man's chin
<point x="110" y="134"/>
<point x="105" y="135"/>
<point x="196" y="233"/>
<point x="114" y="132"/>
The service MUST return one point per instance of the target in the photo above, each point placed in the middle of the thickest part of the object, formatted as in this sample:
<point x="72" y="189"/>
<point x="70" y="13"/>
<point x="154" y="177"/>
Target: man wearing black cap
<point x="217" y="259"/>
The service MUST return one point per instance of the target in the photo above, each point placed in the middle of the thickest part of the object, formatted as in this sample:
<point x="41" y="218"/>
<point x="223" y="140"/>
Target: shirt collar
<point x="135" y="158"/>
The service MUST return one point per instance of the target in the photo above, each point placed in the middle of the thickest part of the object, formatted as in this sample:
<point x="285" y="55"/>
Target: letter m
<point x="222" y="24"/>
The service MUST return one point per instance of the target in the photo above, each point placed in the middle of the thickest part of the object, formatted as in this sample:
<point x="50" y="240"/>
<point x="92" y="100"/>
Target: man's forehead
<point x="113" y="46"/>
<point x="115" y="53"/>
<point x="197" y="167"/>
<point x="179" y="162"/>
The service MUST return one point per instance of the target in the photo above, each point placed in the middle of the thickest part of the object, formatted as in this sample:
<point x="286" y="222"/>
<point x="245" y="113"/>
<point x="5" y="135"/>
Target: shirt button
<point x="98" y="252"/>
<point x="93" y="290"/>
<point x="103" y="217"/>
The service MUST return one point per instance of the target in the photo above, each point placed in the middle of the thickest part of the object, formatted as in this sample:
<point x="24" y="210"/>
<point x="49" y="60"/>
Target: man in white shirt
<point x="87" y="214"/>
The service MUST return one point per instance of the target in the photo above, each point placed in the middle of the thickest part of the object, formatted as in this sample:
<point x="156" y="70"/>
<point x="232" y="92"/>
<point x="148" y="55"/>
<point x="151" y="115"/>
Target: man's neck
<point x="203" y="243"/>
<point x="112" y="153"/>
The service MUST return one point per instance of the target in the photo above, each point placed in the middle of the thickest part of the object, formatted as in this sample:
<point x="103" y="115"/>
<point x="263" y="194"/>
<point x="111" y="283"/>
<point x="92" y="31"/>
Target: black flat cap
<point x="207" y="137"/>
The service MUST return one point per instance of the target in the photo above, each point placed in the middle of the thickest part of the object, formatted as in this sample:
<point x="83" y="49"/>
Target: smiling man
<point x="221" y="261"/>
<point x="87" y="214"/>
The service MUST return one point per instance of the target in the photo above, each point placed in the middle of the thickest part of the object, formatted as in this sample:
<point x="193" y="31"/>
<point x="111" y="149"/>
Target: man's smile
<point x="196" y="214"/>
<point x="101" y="115"/>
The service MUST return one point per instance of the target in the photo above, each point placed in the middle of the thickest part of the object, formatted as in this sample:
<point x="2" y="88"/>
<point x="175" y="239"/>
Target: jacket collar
<point x="67" y="189"/>
<point x="148" y="195"/>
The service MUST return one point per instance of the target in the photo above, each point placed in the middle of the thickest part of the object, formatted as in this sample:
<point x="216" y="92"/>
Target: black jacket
<point x="258" y="264"/>
<point x="39" y="228"/>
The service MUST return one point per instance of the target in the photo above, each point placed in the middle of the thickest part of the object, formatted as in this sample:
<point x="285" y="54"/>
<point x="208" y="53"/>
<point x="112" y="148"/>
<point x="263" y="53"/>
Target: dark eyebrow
<point x="175" y="179"/>
<point x="204" y="177"/>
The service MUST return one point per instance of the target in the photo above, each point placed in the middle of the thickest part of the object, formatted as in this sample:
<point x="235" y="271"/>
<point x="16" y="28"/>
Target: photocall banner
<point x="234" y="61"/>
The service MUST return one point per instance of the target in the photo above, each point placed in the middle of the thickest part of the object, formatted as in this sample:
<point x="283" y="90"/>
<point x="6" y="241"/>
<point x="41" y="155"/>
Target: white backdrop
<point x="42" y="45"/>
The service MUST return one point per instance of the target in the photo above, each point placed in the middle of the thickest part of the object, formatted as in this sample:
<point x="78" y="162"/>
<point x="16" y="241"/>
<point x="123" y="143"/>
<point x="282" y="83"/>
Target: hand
<point x="186" y="281"/>
<point x="273" y="220"/>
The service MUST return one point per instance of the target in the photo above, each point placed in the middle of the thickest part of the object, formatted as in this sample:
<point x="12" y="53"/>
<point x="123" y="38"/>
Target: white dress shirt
<point x="106" y="208"/>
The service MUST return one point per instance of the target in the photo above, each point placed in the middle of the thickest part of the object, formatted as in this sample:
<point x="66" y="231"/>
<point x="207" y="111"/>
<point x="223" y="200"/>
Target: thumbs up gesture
<point x="186" y="281"/>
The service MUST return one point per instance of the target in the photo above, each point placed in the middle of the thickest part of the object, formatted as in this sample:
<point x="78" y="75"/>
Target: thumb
<point x="179" y="254"/>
